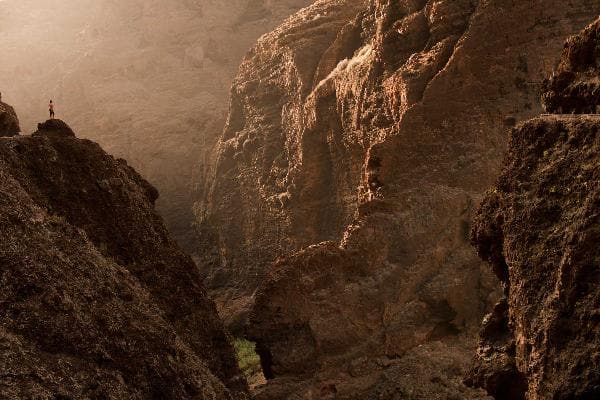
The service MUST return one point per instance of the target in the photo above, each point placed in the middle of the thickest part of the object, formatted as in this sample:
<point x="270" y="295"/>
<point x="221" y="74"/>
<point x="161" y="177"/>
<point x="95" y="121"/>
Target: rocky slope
<point x="97" y="301"/>
<point x="148" y="80"/>
<point x="372" y="128"/>
<point x="540" y="228"/>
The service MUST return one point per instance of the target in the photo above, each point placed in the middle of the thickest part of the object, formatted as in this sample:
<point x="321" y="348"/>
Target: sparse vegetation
<point x="248" y="361"/>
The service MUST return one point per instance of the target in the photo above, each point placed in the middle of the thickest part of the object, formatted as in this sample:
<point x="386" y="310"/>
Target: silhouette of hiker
<point x="51" y="109"/>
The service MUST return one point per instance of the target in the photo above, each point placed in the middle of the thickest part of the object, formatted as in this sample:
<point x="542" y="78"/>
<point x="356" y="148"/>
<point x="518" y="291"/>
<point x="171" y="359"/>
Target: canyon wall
<point x="97" y="301"/>
<point x="361" y="137"/>
<point x="540" y="229"/>
<point x="148" y="80"/>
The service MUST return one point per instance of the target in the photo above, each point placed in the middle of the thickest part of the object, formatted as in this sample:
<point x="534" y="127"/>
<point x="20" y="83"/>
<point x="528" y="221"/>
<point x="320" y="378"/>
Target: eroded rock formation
<point x="575" y="85"/>
<point x="361" y="135"/>
<point x="540" y="229"/>
<point x="96" y="300"/>
<point x="9" y="122"/>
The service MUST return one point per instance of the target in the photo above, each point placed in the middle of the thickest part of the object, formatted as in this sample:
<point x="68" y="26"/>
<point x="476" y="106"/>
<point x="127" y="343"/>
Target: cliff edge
<point x="97" y="301"/>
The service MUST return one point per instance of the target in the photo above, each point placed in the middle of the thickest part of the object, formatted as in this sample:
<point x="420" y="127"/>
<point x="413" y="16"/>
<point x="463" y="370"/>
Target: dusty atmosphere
<point x="146" y="79"/>
<point x="300" y="199"/>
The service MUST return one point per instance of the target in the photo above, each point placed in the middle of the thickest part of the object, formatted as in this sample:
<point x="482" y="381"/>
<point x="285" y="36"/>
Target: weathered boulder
<point x="54" y="127"/>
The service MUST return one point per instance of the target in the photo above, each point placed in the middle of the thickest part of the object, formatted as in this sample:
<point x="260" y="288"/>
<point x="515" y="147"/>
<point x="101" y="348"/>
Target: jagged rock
<point x="373" y="129"/>
<point x="97" y="301"/>
<point x="9" y="122"/>
<point x="575" y="86"/>
<point x="54" y="127"/>
<point x="540" y="228"/>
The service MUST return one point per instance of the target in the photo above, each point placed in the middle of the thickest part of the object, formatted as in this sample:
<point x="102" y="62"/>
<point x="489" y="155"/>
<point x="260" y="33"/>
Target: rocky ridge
<point x="540" y="229"/>
<point x="97" y="301"/>
<point x="337" y="227"/>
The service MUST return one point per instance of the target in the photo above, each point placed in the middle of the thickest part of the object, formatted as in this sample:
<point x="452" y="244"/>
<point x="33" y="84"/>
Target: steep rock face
<point x="9" y="122"/>
<point x="258" y="167"/>
<point x="540" y="228"/>
<point x="575" y="85"/>
<point x="147" y="79"/>
<point x="97" y="300"/>
<point x="377" y="144"/>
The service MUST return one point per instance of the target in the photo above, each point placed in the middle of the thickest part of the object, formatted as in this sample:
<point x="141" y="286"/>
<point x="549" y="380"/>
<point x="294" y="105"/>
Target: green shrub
<point x="246" y="356"/>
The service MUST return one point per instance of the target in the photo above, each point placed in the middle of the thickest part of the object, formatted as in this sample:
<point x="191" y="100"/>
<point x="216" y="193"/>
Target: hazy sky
<point x="147" y="79"/>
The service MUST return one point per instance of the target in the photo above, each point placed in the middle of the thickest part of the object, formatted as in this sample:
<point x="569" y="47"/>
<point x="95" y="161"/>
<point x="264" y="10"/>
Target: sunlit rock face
<point x="149" y="80"/>
<point x="361" y="137"/>
<point x="97" y="301"/>
<point x="540" y="229"/>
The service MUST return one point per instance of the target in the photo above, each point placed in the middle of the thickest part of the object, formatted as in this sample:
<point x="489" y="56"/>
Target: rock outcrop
<point x="361" y="136"/>
<point x="147" y="79"/>
<point x="9" y="122"/>
<point x="540" y="229"/>
<point x="96" y="300"/>
<point x="575" y="85"/>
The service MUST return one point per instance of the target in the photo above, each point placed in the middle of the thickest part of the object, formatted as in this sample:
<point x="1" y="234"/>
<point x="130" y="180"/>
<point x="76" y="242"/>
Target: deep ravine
<point x="360" y="140"/>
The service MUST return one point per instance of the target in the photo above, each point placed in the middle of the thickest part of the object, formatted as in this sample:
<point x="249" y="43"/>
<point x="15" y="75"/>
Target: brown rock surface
<point x="575" y="85"/>
<point x="540" y="229"/>
<point x="96" y="300"/>
<point x="373" y="129"/>
<point x="9" y="122"/>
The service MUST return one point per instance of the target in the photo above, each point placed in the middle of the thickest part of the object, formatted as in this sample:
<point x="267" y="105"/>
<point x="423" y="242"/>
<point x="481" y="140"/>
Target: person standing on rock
<point x="51" y="109"/>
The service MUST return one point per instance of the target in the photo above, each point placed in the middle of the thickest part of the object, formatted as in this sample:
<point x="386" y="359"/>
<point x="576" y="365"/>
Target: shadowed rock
<point x="540" y="229"/>
<point x="97" y="301"/>
<point x="9" y="122"/>
<point x="54" y="127"/>
<point x="575" y="86"/>
<point x="360" y="138"/>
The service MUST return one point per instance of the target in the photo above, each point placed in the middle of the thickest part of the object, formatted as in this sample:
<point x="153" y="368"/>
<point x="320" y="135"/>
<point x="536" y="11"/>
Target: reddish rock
<point x="374" y="129"/>
<point x="540" y="229"/>
<point x="97" y="301"/>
